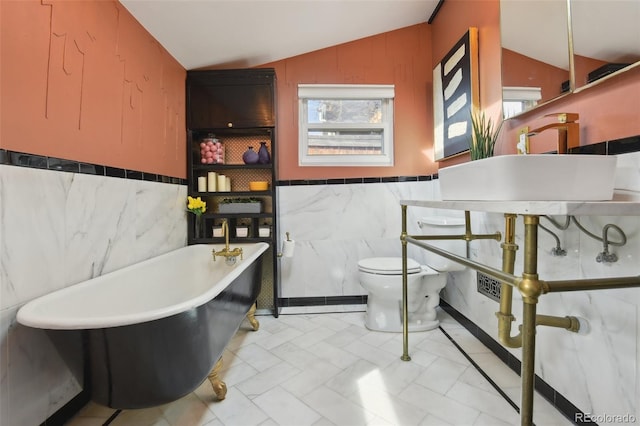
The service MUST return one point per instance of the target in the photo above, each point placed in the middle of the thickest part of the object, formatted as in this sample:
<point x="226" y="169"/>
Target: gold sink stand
<point x="529" y="285"/>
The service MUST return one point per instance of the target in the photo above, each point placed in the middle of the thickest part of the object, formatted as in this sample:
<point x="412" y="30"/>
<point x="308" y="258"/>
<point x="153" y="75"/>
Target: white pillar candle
<point x="202" y="184"/>
<point x="227" y="184"/>
<point x="222" y="182"/>
<point x="211" y="181"/>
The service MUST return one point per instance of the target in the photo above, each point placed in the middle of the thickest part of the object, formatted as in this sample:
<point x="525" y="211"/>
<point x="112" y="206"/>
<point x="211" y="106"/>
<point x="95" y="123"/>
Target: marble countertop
<point x="624" y="203"/>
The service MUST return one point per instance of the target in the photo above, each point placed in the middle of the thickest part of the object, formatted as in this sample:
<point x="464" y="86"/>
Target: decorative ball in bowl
<point x="258" y="185"/>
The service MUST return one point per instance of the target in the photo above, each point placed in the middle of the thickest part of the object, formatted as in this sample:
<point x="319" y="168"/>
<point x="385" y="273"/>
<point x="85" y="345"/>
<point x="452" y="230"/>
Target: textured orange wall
<point x="400" y="57"/>
<point x="83" y="80"/>
<point x="450" y="24"/>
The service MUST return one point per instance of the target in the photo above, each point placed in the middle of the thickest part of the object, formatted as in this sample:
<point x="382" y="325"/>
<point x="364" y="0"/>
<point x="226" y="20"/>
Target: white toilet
<point x="382" y="278"/>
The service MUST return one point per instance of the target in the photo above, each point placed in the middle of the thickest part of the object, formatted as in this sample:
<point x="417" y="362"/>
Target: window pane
<point x="345" y="142"/>
<point x="511" y="108"/>
<point x="344" y="111"/>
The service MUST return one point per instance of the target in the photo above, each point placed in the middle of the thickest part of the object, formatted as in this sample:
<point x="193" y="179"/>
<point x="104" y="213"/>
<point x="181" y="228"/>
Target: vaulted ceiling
<point x="245" y="33"/>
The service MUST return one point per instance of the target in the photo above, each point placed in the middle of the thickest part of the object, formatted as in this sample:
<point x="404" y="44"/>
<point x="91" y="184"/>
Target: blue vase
<point x="250" y="156"/>
<point x="263" y="154"/>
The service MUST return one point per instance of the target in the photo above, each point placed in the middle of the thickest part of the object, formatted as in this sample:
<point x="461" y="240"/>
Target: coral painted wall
<point x="83" y="80"/>
<point x="450" y="24"/>
<point x="402" y="58"/>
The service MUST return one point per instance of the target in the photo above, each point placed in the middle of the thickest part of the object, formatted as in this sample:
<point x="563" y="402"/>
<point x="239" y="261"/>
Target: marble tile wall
<point x="336" y="225"/>
<point x="58" y="229"/>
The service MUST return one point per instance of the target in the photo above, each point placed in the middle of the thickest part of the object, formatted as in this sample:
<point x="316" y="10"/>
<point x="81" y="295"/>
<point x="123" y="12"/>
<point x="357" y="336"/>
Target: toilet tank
<point x="442" y="225"/>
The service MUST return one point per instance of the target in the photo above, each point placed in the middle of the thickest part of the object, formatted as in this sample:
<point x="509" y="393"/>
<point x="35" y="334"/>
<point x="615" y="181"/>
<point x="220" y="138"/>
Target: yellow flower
<point x="196" y="205"/>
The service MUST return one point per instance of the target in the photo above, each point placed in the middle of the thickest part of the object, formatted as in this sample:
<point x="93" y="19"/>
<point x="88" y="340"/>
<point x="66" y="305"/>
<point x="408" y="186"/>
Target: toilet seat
<point x="388" y="266"/>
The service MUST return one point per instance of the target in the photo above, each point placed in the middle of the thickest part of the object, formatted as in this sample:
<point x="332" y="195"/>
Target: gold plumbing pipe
<point x="405" y="296"/>
<point x="505" y="317"/>
<point x="487" y="270"/>
<point x="468" y="235"/>
<point x="568" y="322"/>
<point x="591" y="284"/>
<point x="530" y="288"/>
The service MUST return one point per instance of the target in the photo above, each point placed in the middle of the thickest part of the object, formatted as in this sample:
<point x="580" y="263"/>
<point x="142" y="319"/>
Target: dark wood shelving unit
<point x="236" y="107"/>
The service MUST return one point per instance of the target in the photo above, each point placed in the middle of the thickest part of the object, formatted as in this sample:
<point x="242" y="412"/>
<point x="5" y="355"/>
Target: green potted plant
<point x="239" y="205"/>
<point x="484" y="136"/>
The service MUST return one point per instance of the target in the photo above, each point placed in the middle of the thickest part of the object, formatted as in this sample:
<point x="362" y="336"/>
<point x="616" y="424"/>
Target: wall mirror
<point x="536" y="63"/>
<point x="606" y="38"/>
<point x="535" y="53"/>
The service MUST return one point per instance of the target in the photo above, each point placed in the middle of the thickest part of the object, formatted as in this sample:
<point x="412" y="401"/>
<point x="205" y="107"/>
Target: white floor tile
<point x="336" y="408"/>
<point x="311" y="378"/>
<point x="336" y="356"/>
<point x="310" y="338"/>
<point x="266" y="380"/>
<point x="486" y="402"/>
<point x="439" y="405"/>
<point x="441" y="375"/>
<point x="370" y="353"/>
<point x="388" y="406"/>
<point x="285" y="409"/>
<point x="237" y="409"/>
<point x="258" y="357"/>
<point x="350" y="380"/>
<point x="327" y="369"/>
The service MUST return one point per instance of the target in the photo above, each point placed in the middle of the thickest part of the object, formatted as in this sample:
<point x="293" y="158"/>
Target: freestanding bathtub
<point x="152" y="332"/>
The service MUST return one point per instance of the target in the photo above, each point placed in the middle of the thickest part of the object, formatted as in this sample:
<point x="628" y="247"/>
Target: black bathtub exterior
<point x="156" y="362"/>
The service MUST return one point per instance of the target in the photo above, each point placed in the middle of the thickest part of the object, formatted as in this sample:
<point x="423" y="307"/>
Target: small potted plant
<point x="484" y="136"/>
<point x="239" y="205"/>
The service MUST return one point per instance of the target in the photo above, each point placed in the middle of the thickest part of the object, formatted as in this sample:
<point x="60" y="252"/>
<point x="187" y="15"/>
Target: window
<point x="519" y="99"/>
<point x="345" y="125"/>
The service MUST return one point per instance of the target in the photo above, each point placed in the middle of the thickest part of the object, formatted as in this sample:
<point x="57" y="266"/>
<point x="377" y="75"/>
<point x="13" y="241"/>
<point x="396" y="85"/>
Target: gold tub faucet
<point x="226" y="251"/>
<point x="568" y="130"/>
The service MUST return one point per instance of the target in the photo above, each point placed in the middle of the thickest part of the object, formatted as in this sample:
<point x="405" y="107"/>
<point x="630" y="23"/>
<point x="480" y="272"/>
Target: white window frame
<point x="516" y="100"/>
<point x="346" y="91"/>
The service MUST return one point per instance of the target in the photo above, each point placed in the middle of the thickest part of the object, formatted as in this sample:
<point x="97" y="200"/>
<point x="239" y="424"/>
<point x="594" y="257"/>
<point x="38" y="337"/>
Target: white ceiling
<point x="607" y="30"/>
<point x="245" y="33"/>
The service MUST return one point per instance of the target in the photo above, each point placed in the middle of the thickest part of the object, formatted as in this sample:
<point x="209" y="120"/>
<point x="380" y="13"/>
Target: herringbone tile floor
<point x="328" y="369"/>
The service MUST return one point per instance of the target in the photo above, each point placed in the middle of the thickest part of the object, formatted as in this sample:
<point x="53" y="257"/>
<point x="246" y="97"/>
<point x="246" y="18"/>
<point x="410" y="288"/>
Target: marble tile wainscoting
<point x="57" y="229"/>
<point x="335" y="224"/>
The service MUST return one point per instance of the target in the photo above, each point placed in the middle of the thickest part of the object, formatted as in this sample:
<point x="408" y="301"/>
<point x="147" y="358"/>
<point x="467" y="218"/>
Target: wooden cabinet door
<point x="230" y="99"/>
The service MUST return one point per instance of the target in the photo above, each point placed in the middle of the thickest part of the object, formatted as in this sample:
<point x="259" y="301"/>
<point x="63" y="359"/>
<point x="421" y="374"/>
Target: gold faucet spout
<point x="226" y="251"/>
<point x="225" y="232"/>
<point x="568" y="131"/>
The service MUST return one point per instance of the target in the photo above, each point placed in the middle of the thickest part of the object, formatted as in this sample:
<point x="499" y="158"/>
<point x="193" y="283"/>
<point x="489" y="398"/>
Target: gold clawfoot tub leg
<point x="219" y="387"/>
<point x="252" y="318"/>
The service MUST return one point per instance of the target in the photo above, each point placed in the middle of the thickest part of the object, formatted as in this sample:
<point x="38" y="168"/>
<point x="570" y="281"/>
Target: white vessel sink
<point x="534" y="177"/>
